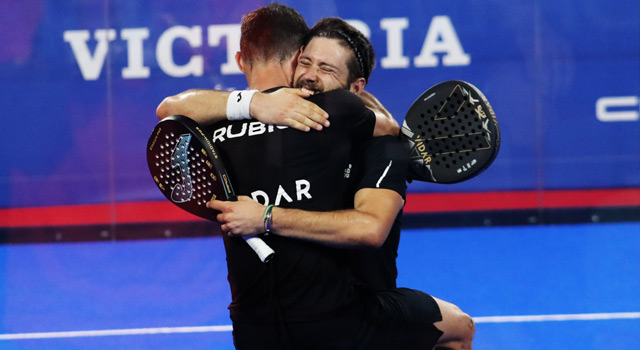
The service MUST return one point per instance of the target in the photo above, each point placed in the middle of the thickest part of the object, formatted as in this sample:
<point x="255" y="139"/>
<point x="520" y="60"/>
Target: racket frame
<point x="425" y="163"/>
<point x="265" y="253"/>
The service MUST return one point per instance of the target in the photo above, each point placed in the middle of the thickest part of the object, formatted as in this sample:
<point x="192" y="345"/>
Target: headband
<point x="355" y="50"/>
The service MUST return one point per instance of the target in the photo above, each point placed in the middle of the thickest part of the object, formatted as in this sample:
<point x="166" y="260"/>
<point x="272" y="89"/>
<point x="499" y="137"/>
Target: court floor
<point x="528" y="287"/>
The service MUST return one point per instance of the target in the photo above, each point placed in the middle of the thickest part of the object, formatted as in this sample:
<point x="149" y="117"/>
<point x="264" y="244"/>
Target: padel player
<point x="378" y="199"/>
<point x="299" y="328"/>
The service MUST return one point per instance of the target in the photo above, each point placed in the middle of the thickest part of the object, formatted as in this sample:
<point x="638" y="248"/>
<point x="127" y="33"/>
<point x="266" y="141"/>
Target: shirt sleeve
<point x="382" y="163"/>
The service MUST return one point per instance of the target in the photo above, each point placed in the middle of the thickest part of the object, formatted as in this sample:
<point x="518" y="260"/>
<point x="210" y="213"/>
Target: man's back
<point x="307" y="171"/>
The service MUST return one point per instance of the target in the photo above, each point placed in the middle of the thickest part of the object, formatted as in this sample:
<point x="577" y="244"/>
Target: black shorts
<point x="326" y="334"/>
<point x="395" y="319"/>
<point x="400" y="318"/>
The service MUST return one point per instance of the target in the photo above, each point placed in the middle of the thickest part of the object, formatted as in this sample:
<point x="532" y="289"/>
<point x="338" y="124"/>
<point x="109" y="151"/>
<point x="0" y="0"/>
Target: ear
<point x="296" y="56"/>
<point x="299" y="53"/>
<point x="291" y="65"/>
<point x="239" y="62"/>
<point x="357" y="85"/>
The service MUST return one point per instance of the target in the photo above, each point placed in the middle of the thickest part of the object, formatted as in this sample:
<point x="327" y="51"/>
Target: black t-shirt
<point x="292" y="169"/>
<point x="382" y="163"/>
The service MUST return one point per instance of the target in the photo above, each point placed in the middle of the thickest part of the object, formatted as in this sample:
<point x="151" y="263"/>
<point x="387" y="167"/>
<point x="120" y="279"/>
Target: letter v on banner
<point x="90" y="65"/>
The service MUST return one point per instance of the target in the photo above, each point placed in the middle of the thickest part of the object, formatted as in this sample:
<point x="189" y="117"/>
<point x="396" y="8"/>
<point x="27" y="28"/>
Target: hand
<point x="241" y="218"/>
<point x="373" y="103"/>
<point x="288" y="107"/>
<point x="385" y="123"/>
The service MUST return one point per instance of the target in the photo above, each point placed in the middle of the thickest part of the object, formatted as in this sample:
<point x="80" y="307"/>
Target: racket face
<point x="452" y="133"/>
<point x="183" y="167"/>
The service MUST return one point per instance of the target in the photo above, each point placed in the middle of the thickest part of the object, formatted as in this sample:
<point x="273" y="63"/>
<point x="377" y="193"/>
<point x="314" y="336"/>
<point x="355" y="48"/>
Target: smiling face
<point x="322" y="66"/>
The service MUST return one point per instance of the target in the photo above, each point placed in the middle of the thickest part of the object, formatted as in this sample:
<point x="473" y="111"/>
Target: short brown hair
<point x="271" y="32"/>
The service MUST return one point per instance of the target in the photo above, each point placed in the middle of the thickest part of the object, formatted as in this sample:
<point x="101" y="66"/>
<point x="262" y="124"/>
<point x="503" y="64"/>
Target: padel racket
<point x="188" y="170"/>
<point x="452" y="133"/>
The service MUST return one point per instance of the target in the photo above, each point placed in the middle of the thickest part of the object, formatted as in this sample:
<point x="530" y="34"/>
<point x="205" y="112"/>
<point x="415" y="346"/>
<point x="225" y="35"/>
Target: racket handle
<point x="265" y="253"/>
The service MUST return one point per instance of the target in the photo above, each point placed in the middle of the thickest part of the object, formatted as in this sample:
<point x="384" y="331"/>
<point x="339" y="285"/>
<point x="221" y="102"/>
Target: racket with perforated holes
<point x="452" y="133"/>
<point x="188" y="170"/>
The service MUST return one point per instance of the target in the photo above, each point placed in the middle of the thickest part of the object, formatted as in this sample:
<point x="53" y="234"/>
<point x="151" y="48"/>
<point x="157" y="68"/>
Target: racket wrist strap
<point x="266" y="218"/>
<point x="238" y="104"/>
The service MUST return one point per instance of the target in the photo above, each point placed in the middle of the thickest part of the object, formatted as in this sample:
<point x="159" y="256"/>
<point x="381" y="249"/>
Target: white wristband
<point x="238" y="104"/>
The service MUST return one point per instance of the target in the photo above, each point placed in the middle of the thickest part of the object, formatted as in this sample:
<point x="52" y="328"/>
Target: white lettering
<point x="441" y="38"/>
<point x="604" y="106"/>
<point x="243" y="129"/>
<point x="257" y="195"/>
<point x="302" y="189"/>
<point x="282" y="194"/>
<point x="395" y="57"/>
<point x="164" y="51"/>
<point x="256" y="128"/>
<point x="135" y="53"/>
<point x="232" y="32"/>
<point x="218" y="135"/>
<point x="242" y="132"/>
<point x="90" y="65"/>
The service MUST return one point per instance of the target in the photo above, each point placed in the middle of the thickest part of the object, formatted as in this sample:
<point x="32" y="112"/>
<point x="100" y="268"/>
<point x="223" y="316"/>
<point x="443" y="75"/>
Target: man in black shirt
<point x="305" y="178"/>
<point x="379" y="196"/>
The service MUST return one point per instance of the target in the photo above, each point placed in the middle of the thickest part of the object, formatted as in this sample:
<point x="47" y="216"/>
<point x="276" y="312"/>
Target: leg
<point x="458" y="327"/>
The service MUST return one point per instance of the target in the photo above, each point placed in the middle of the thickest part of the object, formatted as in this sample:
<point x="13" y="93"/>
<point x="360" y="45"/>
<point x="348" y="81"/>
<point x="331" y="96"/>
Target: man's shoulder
<point x="342" y="103"/>
<point x="338" y="93"/>
<point x="341" y="96"/>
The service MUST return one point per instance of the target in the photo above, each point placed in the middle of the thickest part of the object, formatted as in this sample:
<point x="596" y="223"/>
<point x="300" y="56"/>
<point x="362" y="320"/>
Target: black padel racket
<point x="452" y="133"/>
<point x="188" y="170"/>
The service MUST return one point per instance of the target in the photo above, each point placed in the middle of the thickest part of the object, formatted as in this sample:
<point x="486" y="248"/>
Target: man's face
<point x="322" y="66"/>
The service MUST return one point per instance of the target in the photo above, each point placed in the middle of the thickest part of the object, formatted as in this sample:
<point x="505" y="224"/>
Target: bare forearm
<point x="203" y="106"/>
<point x="365" y="226"/>
<point x="385" y="126"/>
<point x="385" y="123"/>
<point x="347" y="228"/>
<point x="283" y="107"/>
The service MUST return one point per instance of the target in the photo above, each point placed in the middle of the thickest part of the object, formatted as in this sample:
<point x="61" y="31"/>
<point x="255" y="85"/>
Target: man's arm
<point x="385" y="123"/>
<point x="203" y="106"/>
<point x="283" y="107"/>
<point x="367" y="225"/>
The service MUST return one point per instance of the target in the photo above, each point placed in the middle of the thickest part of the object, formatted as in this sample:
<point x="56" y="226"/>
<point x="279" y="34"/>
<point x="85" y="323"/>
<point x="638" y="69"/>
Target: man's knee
<point x="465" y="324"/>
<point x="470" y="325"/>
<point x="456" y="324"/>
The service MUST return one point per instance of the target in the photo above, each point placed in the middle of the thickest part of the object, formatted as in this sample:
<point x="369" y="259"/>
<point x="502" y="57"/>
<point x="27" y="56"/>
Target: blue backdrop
<point x="80" y="81"/>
